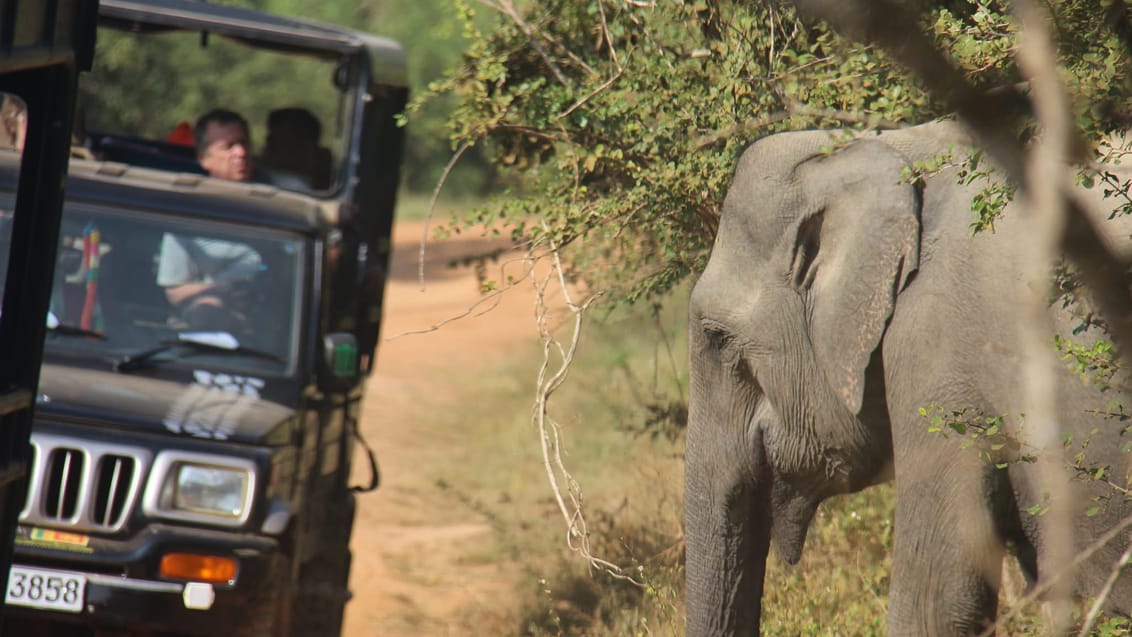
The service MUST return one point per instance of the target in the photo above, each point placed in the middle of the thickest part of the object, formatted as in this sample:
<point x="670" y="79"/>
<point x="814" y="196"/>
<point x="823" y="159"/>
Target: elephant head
<point x="787" y="389"/>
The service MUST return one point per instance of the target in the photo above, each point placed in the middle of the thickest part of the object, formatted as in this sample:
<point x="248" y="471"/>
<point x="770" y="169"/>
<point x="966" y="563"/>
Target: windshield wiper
<point x="212" y="342"/>
<point x="66" y="329"/>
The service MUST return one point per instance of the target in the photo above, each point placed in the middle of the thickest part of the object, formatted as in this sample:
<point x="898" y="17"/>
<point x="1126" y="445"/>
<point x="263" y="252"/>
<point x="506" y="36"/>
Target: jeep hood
<point x="111" y="400"/>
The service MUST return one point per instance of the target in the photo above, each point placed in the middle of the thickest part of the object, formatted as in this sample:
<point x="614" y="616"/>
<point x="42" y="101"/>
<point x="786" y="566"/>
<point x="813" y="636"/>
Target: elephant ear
<point x="855" y="247"/>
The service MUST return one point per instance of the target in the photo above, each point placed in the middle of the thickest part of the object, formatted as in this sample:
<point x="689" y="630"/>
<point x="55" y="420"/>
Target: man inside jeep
<point x="200" y="275"/>
<point x="293" y="150"/>
<point x="223" y="145"/>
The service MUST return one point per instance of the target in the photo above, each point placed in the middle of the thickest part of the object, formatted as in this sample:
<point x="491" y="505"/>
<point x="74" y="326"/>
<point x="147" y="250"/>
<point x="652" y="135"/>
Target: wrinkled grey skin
<point x="839" y="300"/>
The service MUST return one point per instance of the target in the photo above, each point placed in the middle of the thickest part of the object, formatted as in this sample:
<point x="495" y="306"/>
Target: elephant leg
<point x="947" y="556"/>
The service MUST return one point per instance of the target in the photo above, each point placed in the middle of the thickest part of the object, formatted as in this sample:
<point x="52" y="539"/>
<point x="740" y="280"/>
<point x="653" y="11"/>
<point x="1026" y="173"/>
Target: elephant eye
<point x="717" y="335"/>
<point x="806" y="251"/>
<point x="732" y="354"/>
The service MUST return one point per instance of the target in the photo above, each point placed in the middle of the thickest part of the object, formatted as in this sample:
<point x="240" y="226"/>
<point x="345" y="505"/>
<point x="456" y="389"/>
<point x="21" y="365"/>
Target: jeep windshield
<point x="162" y="286"/>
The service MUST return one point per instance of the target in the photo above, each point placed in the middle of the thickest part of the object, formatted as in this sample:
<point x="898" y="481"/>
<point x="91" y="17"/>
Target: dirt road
<point x="408" y="577"/>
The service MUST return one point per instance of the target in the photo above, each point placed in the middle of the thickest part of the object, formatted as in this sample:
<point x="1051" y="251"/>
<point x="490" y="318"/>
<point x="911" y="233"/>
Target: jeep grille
<point x="82" y="486"/>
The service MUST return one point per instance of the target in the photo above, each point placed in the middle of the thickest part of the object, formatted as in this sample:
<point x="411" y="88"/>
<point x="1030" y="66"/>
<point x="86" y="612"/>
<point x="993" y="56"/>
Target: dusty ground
<point x="409" y="575"/>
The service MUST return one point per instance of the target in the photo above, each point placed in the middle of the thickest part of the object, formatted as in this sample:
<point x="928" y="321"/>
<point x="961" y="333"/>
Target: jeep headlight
<point x="200" y="488"/>
<point x="212" y="490"/>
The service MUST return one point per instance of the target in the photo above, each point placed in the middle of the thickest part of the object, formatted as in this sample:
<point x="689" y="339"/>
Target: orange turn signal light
<point x="198" y="568"/>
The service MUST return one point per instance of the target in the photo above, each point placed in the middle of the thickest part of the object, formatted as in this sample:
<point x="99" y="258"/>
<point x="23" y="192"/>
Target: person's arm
<point x="178" y="294"/>
<point x="175" y="272"/>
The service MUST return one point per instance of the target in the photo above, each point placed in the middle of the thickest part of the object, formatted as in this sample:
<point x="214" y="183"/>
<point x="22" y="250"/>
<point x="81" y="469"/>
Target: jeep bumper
<point x="124" y="588"/>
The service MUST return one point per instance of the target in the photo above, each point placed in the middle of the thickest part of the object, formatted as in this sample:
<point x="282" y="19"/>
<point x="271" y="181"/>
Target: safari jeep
<point x="195" y="478"/>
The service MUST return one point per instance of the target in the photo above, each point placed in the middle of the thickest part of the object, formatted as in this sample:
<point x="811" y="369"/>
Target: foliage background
<point x="620" y="122"/>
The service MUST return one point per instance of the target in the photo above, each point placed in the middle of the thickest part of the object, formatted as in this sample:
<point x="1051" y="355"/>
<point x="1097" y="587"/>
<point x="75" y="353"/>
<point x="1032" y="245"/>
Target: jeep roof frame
<point x="293" y="35"/>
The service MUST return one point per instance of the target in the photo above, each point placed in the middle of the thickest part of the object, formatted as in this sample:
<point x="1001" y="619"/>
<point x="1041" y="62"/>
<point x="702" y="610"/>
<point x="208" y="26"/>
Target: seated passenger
<point x="202" y="278"/>
<point x="80" y="141"/>
<point x="223" y="146"/>
<point x="293" y="147"/>
<point x="13" y="122"/>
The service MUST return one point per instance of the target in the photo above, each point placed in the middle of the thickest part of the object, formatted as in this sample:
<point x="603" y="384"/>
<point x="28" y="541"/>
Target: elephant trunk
<point x="728" y="533"/>
<point x="727" y="530"/>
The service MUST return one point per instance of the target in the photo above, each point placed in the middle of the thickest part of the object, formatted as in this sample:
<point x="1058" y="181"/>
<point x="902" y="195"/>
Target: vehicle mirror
<point x="340" y="360"/>
<point x="342" y="76"/>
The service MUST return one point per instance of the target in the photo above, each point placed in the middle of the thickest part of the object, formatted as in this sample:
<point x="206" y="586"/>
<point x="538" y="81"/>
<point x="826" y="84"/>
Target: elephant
<point x="842" y="299"/>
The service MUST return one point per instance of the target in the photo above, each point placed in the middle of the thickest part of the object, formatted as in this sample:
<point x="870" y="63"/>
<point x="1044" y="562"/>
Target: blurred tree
<point x="435" y="39"/>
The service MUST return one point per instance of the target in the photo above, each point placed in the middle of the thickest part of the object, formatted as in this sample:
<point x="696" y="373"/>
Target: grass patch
<point x="574" y="600"/>
<point x="490" y="461"/>
<point x="840" y="587"/>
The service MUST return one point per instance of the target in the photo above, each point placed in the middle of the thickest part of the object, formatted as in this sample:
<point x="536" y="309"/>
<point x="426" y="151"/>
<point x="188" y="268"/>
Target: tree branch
<point x="1057" y="217"/>
<point x="507" y="8"/>
<point x="1044" y="174"/>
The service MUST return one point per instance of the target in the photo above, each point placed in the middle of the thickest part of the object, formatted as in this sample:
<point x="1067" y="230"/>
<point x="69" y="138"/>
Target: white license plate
<point x="46" y="588"/>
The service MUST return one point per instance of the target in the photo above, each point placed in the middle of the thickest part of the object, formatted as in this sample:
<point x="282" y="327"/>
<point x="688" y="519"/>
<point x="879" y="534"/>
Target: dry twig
<point x="432" y="206"/>
<point x="1041" y="588"/>
<point x="1106" y="590"/>
<point x="550" y="378"/>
